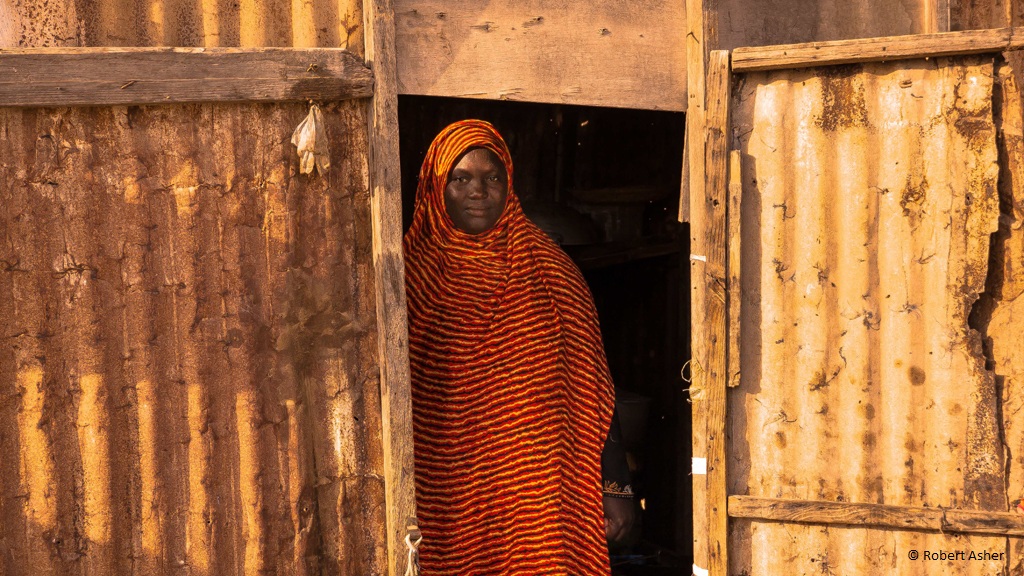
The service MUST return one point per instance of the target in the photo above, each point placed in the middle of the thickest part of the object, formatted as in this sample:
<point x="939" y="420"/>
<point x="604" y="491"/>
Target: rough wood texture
<point x="877" y="515"/>
<point x="604" y="53"/>
<point x="716" y="333"/>
<point x="389" y="275"/>
<point x="875" y="49"/>
<point x="131" y="76"/>
<point x="701" y="37"/>
<point x="767" y="22"/>
<point x="734" y="214"/>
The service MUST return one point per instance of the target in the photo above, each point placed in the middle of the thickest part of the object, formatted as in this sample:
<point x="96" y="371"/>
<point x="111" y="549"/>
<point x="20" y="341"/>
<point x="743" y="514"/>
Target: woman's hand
<point x="619" y="516"/>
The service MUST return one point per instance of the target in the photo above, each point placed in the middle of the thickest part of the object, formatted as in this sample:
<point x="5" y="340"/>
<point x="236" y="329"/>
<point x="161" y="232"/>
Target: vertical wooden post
<point x="709" y="330"/>
<point x="733" y="214"/>
<point x="701" y="34"/>
<point x="701" y="38"/>
<point x="389" y="268"/>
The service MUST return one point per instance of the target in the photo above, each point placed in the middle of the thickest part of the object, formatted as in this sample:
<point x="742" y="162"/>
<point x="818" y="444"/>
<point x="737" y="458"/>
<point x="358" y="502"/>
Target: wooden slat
<point x="684" y="181"/>
<point x="733" y="215"/>
<point x="714" y="206"/>
<point x="693" y="189"/>
<point x="701" y="36"/>
<point x="133" y="76"/>
<point x="617" y="54"/>
<point x="876" y="515"/>
<point x="389" y="268"/>
<point x="875" y="49"/>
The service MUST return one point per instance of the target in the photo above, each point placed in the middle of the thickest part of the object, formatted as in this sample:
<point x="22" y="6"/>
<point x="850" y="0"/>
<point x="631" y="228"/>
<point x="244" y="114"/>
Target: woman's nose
<point x="477" y="188"/>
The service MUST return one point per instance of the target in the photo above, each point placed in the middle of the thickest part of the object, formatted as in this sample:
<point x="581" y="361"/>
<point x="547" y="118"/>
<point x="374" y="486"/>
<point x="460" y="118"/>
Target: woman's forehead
<point x="478" y="155"/>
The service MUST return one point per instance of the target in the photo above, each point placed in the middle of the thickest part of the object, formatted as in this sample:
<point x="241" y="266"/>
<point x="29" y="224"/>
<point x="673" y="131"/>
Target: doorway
<point x="604" y="183"/>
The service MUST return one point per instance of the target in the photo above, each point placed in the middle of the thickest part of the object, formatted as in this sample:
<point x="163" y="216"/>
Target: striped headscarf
<point x="512" y="398"/>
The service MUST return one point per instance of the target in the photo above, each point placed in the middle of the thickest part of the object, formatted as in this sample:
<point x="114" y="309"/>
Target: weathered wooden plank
<point x="603" y="53"/>
<point x="683" y="214"/>
<point x="733" y="216"/>
<point x="699" y="38"/>
<point x="875" y="49"/>
<point x="38" y="77"/>
<point x="877" y="515"/>
<point x="715" y="201"/>
<point x="389" y="275"/>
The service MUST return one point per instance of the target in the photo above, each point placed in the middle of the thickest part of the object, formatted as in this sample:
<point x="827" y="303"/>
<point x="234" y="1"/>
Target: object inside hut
<point x="604" y="183"/>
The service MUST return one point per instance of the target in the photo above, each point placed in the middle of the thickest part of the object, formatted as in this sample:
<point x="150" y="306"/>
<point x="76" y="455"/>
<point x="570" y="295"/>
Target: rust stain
<point x="150" y="260"/>
<point x="864" y="252"/>
<point x="842" y="99"/>
<point x="916" y="375"/>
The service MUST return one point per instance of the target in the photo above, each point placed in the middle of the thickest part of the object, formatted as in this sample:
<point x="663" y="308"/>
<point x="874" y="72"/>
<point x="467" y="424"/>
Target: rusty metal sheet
<point x="188" y="370"/>
<point x="869" y="197"/>
<point x="1000" y="312"/>
<point x="188" y="356"/>
<point x="246" y="23"/>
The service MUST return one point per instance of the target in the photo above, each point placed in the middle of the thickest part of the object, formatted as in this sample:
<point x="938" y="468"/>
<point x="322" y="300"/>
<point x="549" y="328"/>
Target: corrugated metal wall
<point x="1000" y="312"/>
<point x="188" y="358"/>
<point x="870" y="194"/>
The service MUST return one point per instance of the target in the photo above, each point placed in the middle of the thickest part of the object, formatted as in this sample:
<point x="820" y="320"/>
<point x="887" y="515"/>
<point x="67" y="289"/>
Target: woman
<point x="512" y="399"/>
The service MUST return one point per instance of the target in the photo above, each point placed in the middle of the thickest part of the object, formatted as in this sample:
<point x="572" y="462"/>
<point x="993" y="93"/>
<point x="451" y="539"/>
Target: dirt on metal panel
<point x="248" y="23"/>
<point x="746" y="23"/>
<point x="1000" y="311"/>
<point x="188" y="358"/>
<point x="870" y="194"/>
<point x="189" y="373"/>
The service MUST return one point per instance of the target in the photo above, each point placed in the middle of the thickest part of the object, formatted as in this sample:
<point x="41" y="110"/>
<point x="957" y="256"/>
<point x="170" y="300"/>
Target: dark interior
<point x="604" y="183"/>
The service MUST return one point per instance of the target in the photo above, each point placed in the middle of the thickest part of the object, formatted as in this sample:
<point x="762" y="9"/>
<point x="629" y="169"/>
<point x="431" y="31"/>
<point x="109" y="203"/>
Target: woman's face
<point x="475" y="194"/>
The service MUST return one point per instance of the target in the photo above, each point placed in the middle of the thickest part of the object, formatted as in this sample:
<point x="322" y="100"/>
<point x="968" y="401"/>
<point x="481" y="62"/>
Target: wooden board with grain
<point x="389" y="280"/>
<point x="604" y="53"/>
<point x="40" y="77"/>
<point x="877" y="515"/>
<point x="715" y="303"/>
<point x="734" y="216"/>
<point x="875" y="49"/>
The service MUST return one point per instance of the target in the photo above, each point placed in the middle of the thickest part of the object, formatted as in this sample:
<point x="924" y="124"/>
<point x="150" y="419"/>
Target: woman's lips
<point x="477" y="212"/>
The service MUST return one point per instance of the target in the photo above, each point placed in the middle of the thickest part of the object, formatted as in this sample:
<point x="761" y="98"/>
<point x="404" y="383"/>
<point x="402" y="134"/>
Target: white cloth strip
<point x="698" y="257"/>
<point x="698" y="571"/>
<point x="699" y="466"/>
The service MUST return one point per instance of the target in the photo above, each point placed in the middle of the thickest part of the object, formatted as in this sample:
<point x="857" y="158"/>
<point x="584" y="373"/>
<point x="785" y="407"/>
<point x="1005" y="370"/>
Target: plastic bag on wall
<point x="310" y="138"/>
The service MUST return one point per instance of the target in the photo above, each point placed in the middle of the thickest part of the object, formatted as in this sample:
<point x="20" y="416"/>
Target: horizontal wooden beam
<point x="875" y="49"/>
<point x="37" y="77"/>
<point x="877" y="515"/>
<point x="617" y="54"/>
